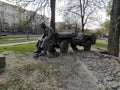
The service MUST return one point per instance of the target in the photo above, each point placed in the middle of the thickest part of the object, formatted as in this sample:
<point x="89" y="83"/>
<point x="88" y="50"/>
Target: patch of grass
<point x="101" y="45"/>
<point x="15" y="83"/>
<point x="15" y="39"/>
<point x="3" y="87"/>
<point x="47" y="70"/>
<point x="33" y="76"/>
<point x="19" y="48"/>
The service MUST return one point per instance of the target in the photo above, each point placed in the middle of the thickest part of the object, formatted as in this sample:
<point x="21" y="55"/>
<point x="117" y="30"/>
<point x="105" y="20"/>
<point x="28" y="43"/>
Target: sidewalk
<point x="10" y="44"/>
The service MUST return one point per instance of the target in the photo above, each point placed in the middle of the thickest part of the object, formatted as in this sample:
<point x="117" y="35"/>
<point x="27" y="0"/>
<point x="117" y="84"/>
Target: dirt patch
<point x="73" y="71"/>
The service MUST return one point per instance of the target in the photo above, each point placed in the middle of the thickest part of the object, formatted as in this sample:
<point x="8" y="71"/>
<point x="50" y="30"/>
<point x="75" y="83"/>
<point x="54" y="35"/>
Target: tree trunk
<point x="52" y="5"/>
<point x="113" y="41"/>
<point x="82" y="28"/>
<point x="82" y="22"/>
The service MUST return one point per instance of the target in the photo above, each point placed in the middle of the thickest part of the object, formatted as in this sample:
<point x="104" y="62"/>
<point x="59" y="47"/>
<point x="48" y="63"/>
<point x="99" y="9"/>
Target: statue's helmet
<point x="43" y="25"/>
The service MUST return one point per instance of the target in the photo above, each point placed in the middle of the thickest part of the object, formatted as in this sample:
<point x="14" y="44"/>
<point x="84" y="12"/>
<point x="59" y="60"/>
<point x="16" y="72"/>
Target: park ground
<point x="80" y="70"/>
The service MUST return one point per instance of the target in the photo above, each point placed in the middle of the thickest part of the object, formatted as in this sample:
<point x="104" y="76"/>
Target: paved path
<point x="10" y="44"/>
<point x="104" y="41"/>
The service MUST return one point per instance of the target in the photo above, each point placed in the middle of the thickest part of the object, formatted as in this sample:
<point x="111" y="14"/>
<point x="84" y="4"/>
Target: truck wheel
<point x="64" y="47"/>
<point x="87" y="45"/>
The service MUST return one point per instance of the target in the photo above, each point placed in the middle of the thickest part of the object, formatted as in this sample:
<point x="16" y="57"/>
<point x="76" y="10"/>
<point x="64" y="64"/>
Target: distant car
<point x="3" y="34"/>
<point x="103" y="36"/>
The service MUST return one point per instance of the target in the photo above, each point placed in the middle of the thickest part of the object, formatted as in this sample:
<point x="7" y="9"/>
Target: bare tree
<point x="0" y="27"/>
<point x="36" y="6"/>
<point x="86" y="10"/>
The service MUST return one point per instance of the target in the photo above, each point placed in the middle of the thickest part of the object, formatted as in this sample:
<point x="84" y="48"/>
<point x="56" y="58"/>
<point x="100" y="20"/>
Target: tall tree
<point x="113" y="41"/>
<point x="86" y="10"/>
<point x="0" y="27"/>
<point x="52" y="5"/>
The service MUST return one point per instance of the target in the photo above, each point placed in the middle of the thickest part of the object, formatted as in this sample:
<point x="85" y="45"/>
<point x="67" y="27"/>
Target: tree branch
<point x="75" y="13"/>
<point x="88" y="17"/>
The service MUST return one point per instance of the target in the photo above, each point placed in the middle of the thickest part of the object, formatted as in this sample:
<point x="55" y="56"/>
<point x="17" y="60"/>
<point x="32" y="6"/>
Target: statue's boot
<point x="43" y="53"/>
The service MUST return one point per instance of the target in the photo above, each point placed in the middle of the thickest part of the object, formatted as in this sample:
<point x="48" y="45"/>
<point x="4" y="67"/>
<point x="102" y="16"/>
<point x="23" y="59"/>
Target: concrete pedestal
<point x="2" y="63"/>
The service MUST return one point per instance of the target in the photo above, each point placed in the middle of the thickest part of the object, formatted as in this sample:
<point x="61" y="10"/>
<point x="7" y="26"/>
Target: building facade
<point x="11" y="15"/>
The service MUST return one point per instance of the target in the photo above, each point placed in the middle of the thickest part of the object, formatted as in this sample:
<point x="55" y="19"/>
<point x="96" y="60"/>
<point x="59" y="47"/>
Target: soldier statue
<point x="47" y="40"/>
